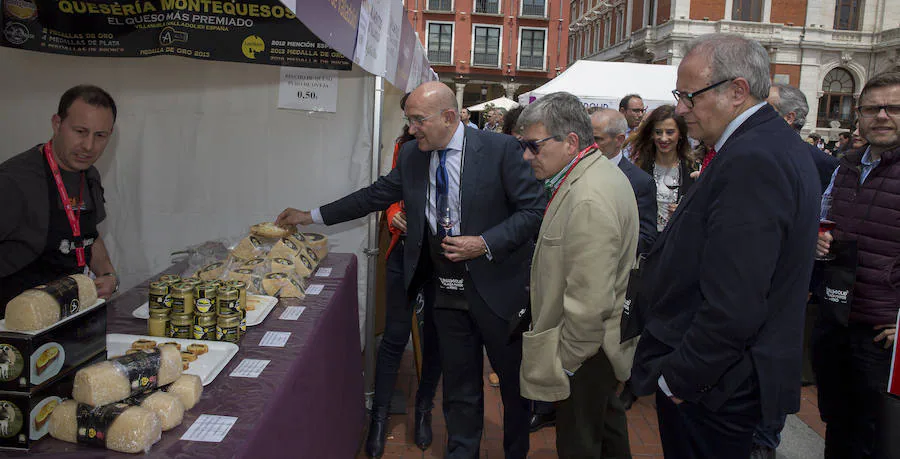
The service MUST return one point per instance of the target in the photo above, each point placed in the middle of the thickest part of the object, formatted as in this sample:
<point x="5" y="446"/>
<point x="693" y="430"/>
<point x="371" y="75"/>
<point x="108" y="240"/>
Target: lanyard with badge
<point x="73" y="216"/>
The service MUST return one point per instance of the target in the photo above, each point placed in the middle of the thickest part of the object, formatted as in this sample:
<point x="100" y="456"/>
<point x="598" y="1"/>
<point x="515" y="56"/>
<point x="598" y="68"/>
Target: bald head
<point x="436" y="95"/>
<point x="433" y="114"/>
<point x="609" y="128"/>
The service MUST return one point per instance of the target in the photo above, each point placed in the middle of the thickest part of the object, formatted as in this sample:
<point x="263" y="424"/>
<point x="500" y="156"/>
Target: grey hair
<point x="792" y="99"/>
<point x="560" y="113"/>
<point x="732" y="56"/>
<point x="615" y="121"/>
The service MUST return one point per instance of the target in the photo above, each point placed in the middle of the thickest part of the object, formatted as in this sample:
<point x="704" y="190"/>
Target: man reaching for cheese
<point x="52" y="200"/>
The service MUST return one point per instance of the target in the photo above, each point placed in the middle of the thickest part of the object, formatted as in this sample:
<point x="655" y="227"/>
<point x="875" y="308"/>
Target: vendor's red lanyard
<point x="74" y="218"/>
<point x="578" y="158"/>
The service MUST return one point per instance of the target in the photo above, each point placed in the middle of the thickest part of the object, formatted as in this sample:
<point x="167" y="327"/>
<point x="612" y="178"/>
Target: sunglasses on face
<point x="871" y="111"/>
<point x="688" y="97"/>
<point x="534" y="145"/>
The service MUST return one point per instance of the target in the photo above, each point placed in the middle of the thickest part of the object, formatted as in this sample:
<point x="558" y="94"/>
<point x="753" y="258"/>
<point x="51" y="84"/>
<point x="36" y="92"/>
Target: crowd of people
<point x="594" y="255"/>
<point x="602" y="255"/>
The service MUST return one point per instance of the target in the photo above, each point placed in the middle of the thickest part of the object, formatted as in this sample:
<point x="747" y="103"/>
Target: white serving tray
<point x="207" y="366"/>
<point x="35" y="332"/>
<point x="264" y="305"/>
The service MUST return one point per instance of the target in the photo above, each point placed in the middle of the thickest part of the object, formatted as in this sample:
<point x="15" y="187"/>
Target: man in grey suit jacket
<point x="477" y="264"/>
<point x="609" y="132"/>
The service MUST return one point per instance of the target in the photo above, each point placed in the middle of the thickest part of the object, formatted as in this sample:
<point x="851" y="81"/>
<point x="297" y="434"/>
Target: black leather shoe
<point x="539" y="421"/>
<point x="377" y="433"/>
<point x="422" y="434"/>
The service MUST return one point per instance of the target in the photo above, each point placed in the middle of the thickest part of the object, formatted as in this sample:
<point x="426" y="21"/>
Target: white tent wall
<point x="391" y="124"/>
<point x="200" y="150"/>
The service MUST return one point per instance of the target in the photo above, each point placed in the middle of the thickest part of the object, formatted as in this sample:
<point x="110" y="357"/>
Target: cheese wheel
<point x="107" y="382"/>
<point x="188" y="389"/>
<point x="40" y="307"/>
<point x="269" y="230"/>
<point x="212" y="271"/>
<point x="284" y="248"/>
<point x="249" y="247"/>
<point x="167" y="407"/>
<point x="135" y="430"/>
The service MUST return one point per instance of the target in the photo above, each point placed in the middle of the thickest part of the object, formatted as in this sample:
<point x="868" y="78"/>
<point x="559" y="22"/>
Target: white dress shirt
<point x="454" y="168"/>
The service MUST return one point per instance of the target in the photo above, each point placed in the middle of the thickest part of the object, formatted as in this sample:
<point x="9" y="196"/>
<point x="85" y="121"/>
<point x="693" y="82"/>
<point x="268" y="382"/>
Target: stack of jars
<point x="191" y="308"/>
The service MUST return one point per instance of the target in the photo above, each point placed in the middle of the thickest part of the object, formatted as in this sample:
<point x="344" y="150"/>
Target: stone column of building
<point x="511" y="89"/>
<point x="460" y="87"/>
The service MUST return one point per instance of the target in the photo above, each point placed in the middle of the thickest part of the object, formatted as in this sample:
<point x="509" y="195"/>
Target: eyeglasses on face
<point x="535" y="145"/>
<point x="871" y="111"/>
<point x="688" y="97"/>
<point x="418" y="121"/>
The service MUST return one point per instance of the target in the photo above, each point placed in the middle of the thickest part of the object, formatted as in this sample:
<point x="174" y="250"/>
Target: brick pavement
<point x="642" y="425"/>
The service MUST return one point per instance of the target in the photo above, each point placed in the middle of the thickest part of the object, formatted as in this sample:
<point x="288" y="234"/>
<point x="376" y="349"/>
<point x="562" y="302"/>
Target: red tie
<point x="706" y="159"/>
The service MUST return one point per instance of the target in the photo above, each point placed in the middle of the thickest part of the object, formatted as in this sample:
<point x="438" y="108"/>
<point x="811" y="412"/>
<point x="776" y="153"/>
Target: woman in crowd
<point x="661" y="149"/>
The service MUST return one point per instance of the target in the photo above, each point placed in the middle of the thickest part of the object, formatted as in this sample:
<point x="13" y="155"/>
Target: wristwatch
<point x="114" y="276"/>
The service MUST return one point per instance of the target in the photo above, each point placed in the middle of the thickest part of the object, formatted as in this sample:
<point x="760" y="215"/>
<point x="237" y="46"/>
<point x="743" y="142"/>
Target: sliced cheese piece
<point x="249" y="247"/>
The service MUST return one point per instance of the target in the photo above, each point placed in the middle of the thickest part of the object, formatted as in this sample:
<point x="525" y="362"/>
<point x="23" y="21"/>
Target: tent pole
<point x="373" y="250"/>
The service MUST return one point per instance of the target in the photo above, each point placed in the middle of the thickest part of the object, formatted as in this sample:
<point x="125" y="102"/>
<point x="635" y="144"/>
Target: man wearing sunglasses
<point x="585" y="251"/>
<point x="724" y="287"/>
<point x="852" y="358"/>
<point x="473" y="208"/>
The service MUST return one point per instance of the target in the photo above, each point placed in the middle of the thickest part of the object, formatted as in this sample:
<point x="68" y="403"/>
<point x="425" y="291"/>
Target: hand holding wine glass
<point x="825" y="228"/>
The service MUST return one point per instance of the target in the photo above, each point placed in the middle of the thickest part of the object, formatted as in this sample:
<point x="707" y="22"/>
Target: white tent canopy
<point x="500" y="102"/>
<point x="603" y="84"/>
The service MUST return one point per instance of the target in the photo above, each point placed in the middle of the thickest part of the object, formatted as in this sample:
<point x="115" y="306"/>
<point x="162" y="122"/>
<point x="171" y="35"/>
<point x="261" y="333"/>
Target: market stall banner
<point x="334" y="21"/>
<point x="258" y="31"/>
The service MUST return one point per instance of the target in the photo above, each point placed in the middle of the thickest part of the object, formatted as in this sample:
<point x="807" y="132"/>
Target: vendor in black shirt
<point x="52" y="201"/>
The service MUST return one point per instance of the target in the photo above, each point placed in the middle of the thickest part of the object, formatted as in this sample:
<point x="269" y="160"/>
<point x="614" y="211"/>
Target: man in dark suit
<point x="791" y="104"/>
<point x="473" y="209"/>
<point x="724" y="286"/>
<point x="609" y="133"/>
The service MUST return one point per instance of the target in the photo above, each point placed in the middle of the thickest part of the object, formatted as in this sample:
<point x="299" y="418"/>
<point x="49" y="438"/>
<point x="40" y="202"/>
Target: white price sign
<point x="308" y="89"/>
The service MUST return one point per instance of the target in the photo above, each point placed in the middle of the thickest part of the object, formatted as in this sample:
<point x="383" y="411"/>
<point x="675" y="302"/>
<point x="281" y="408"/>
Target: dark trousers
<point x="591" y="423"/>
<point x="691" y="431"/>
<point x="851" y="375"/>
<point x="398" y="323"/>
<point x="463" y="336"/>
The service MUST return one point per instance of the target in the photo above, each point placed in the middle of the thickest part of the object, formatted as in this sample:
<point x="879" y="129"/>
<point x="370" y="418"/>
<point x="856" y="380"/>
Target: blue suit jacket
<point x="501" y="201"/>
<point x="724" y="288"/>
<point x="645" y="193"/>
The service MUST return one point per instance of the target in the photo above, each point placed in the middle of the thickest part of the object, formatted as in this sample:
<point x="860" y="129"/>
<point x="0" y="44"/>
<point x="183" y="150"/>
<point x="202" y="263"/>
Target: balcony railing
<point x="487" y="6"/>
<point x="485" y="59"/>
<point x="533" y="9"/>
<point x="531" y="62"/>
<point x="440" y="5"/>
<point x="439" y="57"/>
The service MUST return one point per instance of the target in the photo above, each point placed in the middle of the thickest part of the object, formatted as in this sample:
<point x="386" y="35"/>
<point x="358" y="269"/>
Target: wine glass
<point x="448" y="216"/>
<point x="826" y="225"/>
<point x="672" y="183"/>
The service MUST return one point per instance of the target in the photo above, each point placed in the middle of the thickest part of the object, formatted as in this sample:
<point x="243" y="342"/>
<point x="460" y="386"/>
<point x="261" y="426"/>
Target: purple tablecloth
<point x="308" y="402"/>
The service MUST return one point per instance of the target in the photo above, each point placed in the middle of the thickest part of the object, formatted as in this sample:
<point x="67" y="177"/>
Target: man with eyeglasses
<point x="632" y="108"/>
<point x="724" y="287"/>
<point x="473" y="208"/>
<point x="572" y="354"/>
<point x="852" y="356"/>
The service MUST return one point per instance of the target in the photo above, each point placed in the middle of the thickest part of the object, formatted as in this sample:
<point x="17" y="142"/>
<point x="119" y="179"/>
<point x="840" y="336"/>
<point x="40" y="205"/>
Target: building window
<point x="607" y="22"/>
<point x="531" y="49"/>
<point x="747" y="10"/>
<point x="487" y="6"/>
<point x="597" y="32"/>
<point x="486" y="49"/>
<point x="534" y="8"/>
<point x="620" y="25"/>
<point x="846" y="14"/>
<point x="440" y="5"/>
<point x="440" y="43"/>
<point x="651" y="13"/>
<point x="836" y="104"/>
